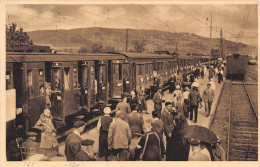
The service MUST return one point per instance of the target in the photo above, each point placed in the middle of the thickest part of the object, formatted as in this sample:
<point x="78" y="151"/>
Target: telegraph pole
<point x="221" y="45"/>
<point x="126" y="40"/>
<point x="210" y="39"/>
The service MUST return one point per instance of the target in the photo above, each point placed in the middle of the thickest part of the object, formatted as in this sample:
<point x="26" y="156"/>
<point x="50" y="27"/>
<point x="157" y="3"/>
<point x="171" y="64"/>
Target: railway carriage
<point x="236" y="66"/>
<point x="143" y="65"/>
<point x="76" y="83"/>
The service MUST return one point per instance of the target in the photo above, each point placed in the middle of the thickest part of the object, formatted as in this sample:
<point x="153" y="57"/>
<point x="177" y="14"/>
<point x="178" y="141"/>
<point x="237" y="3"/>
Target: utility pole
<point x="210" y="24"/>
<point x="126" y="40"/>
<point x="221" y="45"/>
<point x="210" y="40"/>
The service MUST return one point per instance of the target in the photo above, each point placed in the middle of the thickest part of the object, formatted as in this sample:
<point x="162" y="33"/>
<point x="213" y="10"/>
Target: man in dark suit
<point x="151" y="145"/>
<point x="194" y="99"/>
<point x="172" y="81"/>
<point x="208" y="96"/>
<point x="73" y="141"/>
<point x="136" y="123"/>
<point x="168" y="122"/>
<point x="157" y="123"/>
<point x="157" y="99"/>
<point x="124" y="107"/>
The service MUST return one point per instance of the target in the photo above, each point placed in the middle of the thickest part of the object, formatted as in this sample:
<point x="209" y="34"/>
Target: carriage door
<point x="88" y="85"/>
<point x="117" y="79"/>
<point x="140" y="76"/>
<point x="35" y="90"/>
<point x="57" y="92"/>
<point x="127" y="77"/>
<point x="102" y="82"/>
<point x="71" y="90"/>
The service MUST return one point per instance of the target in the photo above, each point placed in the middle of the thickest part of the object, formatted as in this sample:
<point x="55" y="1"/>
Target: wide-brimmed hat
<point x="209" y="84"/>
<point x="107" y="110"/>
<point x="178" y="87"/>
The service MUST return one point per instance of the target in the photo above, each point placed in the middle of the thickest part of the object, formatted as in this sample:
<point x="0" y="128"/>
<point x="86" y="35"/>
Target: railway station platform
<point x="202" y="119"/>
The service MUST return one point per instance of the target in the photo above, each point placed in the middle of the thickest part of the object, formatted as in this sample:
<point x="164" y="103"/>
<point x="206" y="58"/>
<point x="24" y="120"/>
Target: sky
<point x="238" y="22"/>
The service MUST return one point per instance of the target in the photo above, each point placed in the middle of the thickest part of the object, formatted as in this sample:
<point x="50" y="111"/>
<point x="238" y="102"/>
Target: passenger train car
<point x="75" y="85"/>
<point x="236" y="66"/>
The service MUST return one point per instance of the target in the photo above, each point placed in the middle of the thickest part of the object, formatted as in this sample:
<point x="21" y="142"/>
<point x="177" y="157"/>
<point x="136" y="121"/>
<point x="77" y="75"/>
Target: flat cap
<point x="194" y="143"/>
<point x="79" y="124"/>
<point x="87" y="142"/>
<point x="31" y="134"/>
<point x="209" y="84"/>
<point x="159" y="87"/>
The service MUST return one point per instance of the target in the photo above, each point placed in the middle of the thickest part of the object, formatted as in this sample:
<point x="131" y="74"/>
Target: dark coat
<point x="133" y="102"/>
<point x="151" y="146"/>
<point x="13" y="152"/>
<point x="194" y="98"/>
<point x="136" y="123"/>
<point x="105" y="123"/>
<point x="157" y="99"/>
<point x="72" y="146"/>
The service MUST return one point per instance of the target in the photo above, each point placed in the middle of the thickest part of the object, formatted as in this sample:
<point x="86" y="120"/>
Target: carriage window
<point x="126" y="71"/>
<point x="8" y="80"/>
<point x="41" y="82"/>
<point x="30" y="83"/>
<point x="140" y="69"/>
<point x="66" y="78"/>
<point x="116" y="71"/>
<point x="120" y="71"/>
<point x="146" y="68"/>
<point x="102" y="74"/>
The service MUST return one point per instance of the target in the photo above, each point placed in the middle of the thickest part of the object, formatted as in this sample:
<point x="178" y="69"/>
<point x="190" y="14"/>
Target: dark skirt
<point x="103" y="144"/>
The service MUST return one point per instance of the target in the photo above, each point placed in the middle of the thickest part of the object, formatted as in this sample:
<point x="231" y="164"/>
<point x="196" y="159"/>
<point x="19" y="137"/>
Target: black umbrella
<point x="199" y="133"/>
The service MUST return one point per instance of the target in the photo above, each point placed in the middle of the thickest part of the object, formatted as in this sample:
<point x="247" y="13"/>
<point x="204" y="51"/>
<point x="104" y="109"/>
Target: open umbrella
<point x="199" y="133"/>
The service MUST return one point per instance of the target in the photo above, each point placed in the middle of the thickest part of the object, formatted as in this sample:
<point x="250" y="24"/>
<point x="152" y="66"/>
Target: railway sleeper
<point x="244" y="154"/>
<point x="241" y="135"/>
<point x="245" y="124"/>
<point x="244" y="141"/>
<point x="247" y="129"/>
<point x="238" y="146"/>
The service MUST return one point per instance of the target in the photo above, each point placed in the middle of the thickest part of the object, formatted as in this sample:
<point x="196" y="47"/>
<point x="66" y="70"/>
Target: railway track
<point x="242" y="144"/>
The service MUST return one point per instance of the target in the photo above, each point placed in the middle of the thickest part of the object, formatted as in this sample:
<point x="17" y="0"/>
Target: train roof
<point x="37" y="57"/>
<point x="185" y="57"/>
<point x="132" y="55"/>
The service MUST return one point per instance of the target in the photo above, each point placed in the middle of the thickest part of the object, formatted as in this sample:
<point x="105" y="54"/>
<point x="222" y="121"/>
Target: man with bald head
<point x="119" y="137"/>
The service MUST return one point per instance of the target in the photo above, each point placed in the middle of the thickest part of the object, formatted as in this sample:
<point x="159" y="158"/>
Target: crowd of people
<point x="125" y="137"/>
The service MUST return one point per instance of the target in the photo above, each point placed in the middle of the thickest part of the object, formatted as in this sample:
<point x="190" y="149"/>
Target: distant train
<point x="74" y="85"/>
<point x="236" y="66"/>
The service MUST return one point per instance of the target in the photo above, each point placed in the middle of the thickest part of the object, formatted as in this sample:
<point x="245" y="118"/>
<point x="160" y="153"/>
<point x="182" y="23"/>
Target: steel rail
<point x="250" y="101"/>
<point x="229" y="122"/>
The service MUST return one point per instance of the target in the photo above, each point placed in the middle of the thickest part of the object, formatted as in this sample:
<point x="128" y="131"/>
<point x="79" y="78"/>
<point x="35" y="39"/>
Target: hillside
<point x="72" y="40"/>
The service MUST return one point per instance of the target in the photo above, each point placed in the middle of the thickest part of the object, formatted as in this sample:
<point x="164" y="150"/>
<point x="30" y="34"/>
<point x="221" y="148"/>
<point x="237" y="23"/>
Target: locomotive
<point x="236" y="66"/>
<point x="79" y="86"/>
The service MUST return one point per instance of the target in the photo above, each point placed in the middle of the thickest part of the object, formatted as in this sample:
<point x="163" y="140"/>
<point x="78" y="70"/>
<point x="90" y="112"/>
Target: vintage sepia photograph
<point x="130" y="82"/>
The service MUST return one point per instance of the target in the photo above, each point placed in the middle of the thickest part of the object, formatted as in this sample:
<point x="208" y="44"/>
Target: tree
<point x="139" y="46"/>
<point x="97" y="47"/>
